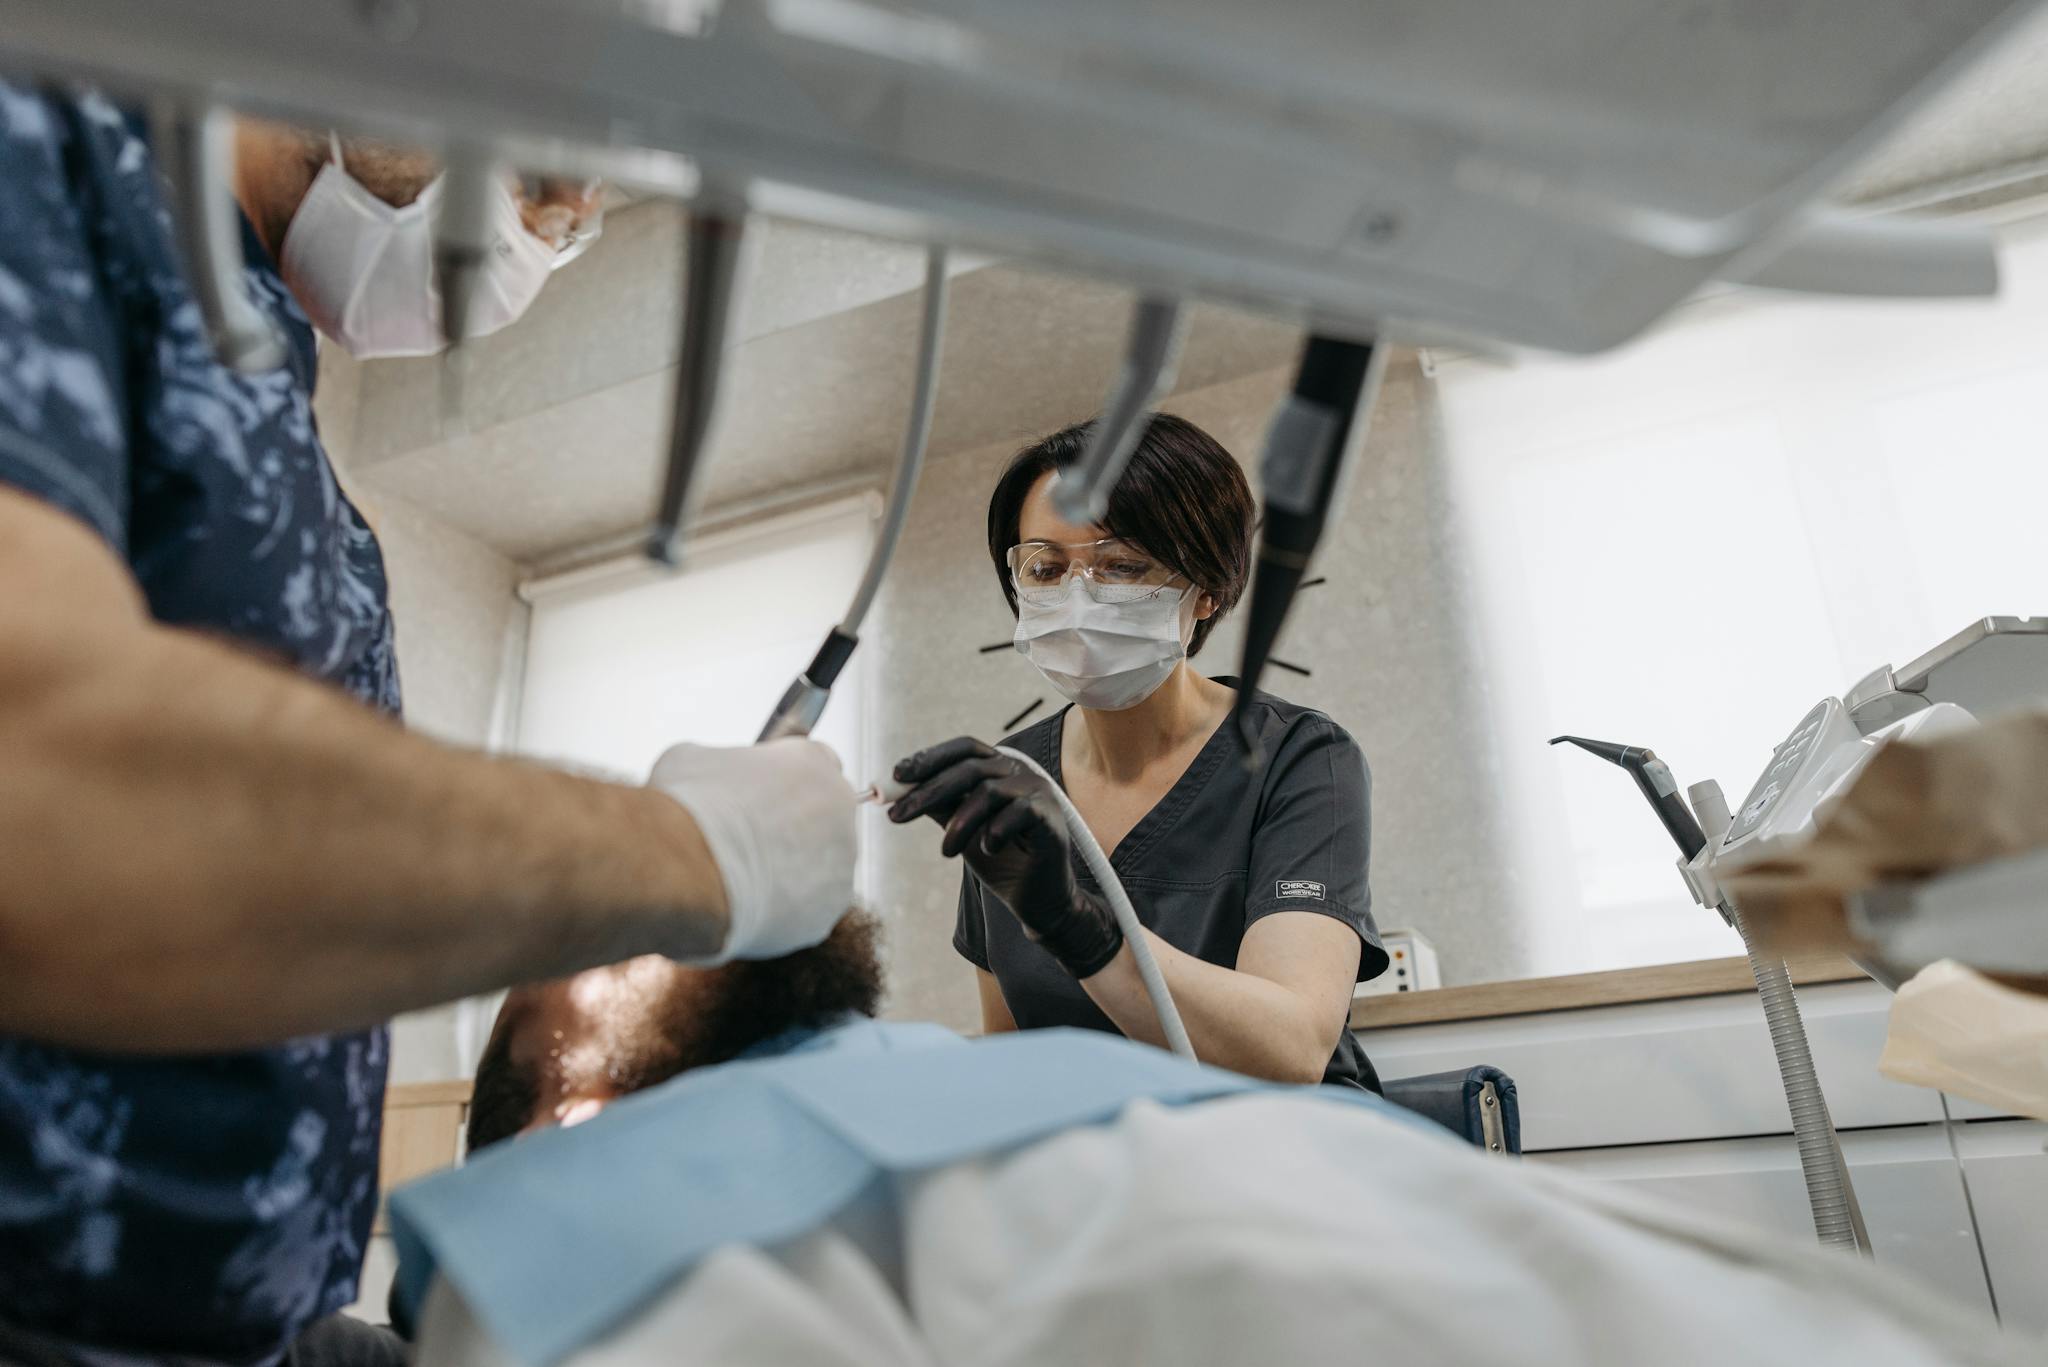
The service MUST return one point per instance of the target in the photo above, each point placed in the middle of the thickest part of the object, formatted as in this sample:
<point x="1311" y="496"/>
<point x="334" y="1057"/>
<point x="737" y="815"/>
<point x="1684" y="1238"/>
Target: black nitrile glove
<point x="1007" y="823"/>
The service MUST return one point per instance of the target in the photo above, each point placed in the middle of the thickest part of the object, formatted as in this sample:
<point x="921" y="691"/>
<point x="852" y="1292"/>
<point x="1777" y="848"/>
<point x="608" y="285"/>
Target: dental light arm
<point x="804" y="701"/>
<point x="710" y="308"/>
<point x="1832" y="252"/>
<point x="1312" y="440"/>
<point x="1151" y="354"/>
<point x="196" y="149"/>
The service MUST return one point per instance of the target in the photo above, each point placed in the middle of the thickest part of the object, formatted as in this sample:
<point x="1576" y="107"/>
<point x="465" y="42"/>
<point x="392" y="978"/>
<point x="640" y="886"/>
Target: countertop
<point x="1616" y="987"/>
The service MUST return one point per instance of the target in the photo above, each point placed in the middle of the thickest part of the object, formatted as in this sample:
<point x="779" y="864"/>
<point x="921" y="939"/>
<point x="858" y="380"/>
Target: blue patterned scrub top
<point x="210" y="1206"/>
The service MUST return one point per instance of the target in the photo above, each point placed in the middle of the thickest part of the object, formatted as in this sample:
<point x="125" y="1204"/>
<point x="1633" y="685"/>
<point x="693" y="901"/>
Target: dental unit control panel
<point x="1995" y="664"/>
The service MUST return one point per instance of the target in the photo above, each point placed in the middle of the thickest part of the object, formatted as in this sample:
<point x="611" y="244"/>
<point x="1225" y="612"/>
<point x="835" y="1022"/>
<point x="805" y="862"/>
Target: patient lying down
<point x="796" y="1183"/>
<point x="562" y="1051"/>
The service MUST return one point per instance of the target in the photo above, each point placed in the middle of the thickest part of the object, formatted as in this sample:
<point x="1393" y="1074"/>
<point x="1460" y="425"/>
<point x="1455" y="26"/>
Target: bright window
<point x="1687" y="544"/>
<point x="621" y="666"/>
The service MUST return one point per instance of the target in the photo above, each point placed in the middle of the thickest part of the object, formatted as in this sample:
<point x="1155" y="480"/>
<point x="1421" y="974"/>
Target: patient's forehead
<point x="608" y="998"/>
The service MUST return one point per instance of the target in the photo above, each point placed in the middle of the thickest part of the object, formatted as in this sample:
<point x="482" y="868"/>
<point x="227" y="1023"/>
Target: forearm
<point x="1234" y="1019"/>
<point x="996" y="1018"/>
<point x="204" y="852"/>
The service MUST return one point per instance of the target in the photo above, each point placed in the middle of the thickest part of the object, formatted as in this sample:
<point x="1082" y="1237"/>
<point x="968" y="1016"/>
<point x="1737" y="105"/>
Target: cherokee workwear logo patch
<point x="1300" y="887"/>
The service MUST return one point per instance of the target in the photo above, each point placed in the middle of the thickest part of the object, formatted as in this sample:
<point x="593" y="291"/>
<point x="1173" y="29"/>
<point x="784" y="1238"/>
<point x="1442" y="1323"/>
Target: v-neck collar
<point x="1164" y="814"/>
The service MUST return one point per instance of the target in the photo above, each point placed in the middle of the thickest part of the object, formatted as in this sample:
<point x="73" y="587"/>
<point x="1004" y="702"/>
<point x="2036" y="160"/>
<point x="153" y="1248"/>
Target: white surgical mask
<point x="1106" y="655"/>
<point x="364" y="270"/>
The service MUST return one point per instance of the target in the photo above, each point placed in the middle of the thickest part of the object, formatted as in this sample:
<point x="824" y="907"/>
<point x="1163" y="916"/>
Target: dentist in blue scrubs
<point x="223" y="864"/>
<point x="1252" y="885"/>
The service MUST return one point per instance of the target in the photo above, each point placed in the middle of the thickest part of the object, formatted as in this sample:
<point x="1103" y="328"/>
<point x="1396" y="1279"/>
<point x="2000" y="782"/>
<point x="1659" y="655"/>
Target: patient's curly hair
<point x="758" y="999"/>
<point x="730" y="1010"/>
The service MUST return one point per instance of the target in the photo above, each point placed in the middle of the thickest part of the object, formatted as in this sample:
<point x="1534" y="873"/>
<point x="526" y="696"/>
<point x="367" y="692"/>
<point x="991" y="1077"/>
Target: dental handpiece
<point x="1654" y="778"/>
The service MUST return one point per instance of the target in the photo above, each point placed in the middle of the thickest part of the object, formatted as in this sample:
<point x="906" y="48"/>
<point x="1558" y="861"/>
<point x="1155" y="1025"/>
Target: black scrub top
<point x="1223" y="848"/>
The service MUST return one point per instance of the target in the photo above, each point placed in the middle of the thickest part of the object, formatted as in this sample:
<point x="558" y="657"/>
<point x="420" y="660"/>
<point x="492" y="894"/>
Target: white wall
<point x="1686" y="544"/>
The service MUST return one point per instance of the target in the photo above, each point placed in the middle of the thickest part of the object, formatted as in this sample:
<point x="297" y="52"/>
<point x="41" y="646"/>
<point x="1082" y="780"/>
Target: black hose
<point x="1301" y="473"/>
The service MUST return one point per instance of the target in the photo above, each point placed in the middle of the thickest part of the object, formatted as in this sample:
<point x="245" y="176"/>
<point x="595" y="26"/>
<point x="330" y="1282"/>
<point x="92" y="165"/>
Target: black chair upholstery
<point x="1477" y="1105"/>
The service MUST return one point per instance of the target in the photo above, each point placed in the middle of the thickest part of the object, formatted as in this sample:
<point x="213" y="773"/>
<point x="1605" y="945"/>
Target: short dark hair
<point x="1182" y="500"/>
<point x="744" y="1003"/>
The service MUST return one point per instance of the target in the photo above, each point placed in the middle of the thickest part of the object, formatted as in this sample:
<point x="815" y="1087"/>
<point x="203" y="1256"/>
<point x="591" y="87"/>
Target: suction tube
<point x="1126" y="915"/>
<point x="1308" y="447"/>
<point x="1837" y="1218"/>
<point x="803" y="702"/>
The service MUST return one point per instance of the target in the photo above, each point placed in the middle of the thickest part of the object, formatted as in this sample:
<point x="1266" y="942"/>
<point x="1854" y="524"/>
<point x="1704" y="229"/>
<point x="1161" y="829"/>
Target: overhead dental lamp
<point x="1552" y="173"/>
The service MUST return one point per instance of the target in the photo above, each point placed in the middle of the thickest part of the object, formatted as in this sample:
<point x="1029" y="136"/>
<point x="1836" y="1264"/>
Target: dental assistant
<point x="1252" y="884"/>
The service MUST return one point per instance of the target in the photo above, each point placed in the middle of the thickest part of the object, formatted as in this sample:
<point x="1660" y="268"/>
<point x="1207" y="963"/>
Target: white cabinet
<point x="1669" y="1071"/>
<point x="2008" y="1167"/>
<point x="1906" y="1182"/>
<point x="1683" y="1099"/>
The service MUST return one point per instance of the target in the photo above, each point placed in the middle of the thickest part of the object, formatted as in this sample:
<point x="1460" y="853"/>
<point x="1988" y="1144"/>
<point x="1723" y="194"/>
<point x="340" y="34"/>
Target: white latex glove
<point x="779" y="819"/>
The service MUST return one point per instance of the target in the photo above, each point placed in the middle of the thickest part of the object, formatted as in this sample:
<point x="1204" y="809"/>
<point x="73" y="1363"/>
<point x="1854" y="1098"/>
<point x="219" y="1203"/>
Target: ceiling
<point x="549" y="436"/>
<point x="534" y="463"/>
<point x="1993" y="117"/>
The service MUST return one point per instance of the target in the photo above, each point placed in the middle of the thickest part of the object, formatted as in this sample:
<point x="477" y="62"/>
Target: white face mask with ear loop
<point x="1107" y="655"/>
<point x="364" y="270"/>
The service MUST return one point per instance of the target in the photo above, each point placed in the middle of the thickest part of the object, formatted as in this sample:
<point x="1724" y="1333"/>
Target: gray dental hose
<point x="890" y="789"/>
<point x="1126" y="915"/>
<point x="1837" y="1219"/>
<point x="804" y="701"/>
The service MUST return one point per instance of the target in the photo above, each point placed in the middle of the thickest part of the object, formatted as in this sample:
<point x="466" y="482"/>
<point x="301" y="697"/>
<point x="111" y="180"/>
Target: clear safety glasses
<point x="1114" y="571"/>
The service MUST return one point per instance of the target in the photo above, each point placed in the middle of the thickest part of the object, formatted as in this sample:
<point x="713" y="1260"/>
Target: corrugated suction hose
<point x="1836" y="1217"/>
